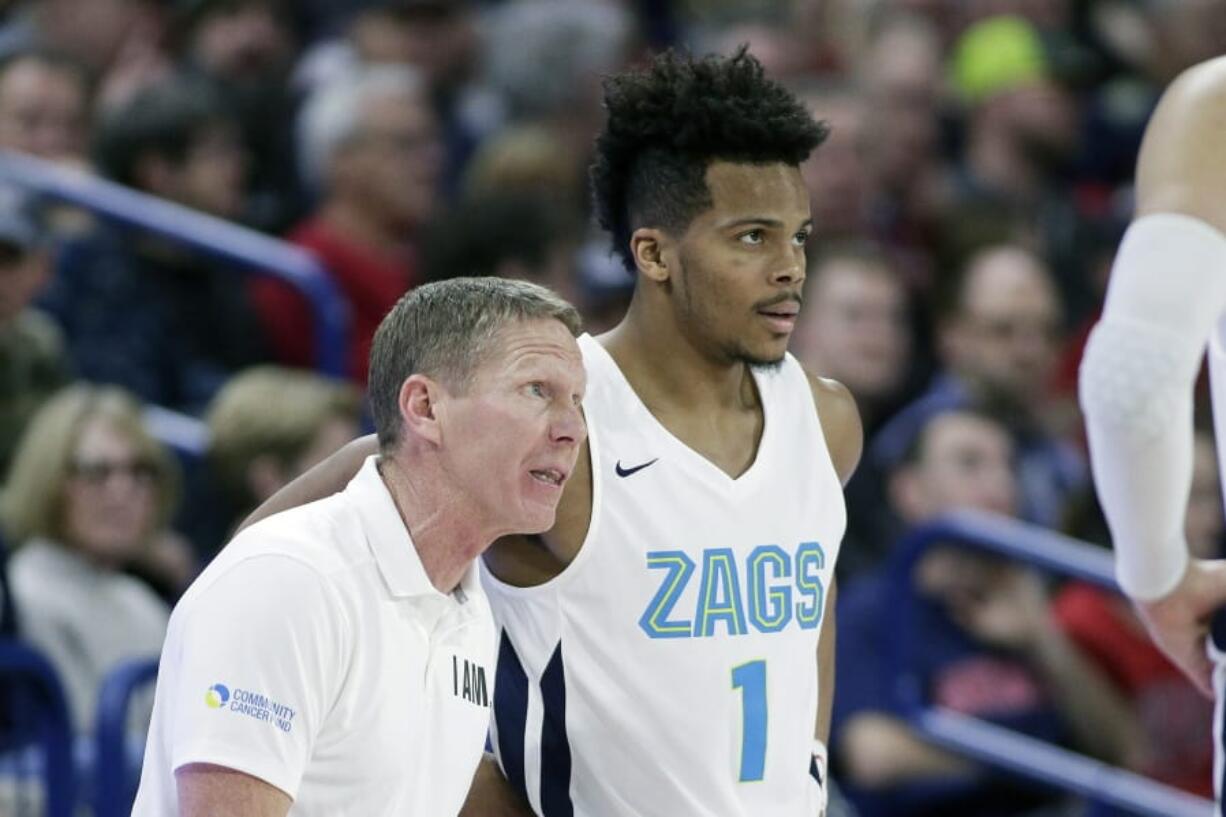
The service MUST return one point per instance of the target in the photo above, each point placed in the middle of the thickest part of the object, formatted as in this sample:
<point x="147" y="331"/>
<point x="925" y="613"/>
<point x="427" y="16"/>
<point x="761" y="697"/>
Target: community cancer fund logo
<point x="217" y="696"/>
<point x="252" y="704"/>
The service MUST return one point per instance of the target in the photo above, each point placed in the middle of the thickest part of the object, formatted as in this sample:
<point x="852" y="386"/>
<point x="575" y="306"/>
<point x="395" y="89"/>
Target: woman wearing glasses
<point x="88" y="493"/>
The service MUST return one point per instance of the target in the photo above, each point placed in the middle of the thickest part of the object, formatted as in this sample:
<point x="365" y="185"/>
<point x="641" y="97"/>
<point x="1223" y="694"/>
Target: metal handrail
<point x="993" y="745"/>
<point x="213" y="236"/>
<point x="55" y="733"/>
<point x="113" y="789"/>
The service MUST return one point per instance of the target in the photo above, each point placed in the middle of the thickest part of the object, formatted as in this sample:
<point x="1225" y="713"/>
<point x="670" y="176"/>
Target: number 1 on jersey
<point x="750" y="678"/>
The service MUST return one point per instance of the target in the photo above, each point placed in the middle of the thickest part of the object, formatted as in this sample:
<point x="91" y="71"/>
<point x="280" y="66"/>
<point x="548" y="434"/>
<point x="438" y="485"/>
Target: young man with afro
<point x="667" y="648"/>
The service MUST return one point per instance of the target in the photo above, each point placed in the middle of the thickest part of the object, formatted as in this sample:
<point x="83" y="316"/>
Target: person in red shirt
<point x="369" y="144"/>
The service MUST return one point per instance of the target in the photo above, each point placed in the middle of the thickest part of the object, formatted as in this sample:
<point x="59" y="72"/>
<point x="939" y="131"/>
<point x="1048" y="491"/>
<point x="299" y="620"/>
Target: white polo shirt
<point x="314" y="654"/>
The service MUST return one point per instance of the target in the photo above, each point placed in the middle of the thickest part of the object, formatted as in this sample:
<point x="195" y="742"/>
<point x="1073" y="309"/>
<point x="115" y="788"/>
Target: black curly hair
<point x="667" y="123"/>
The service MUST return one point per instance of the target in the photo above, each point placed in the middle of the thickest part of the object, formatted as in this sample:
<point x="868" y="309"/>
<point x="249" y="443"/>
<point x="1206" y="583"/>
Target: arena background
<point x="297" y="166"/>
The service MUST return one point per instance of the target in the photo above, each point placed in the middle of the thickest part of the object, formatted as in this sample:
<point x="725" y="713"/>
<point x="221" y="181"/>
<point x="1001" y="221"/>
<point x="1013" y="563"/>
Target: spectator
<point x="855" y="326"/>
<point x="1022" y="125"/>
<point x="45" y="106"/>
<point x="33" y="363"/>
<point x="522" y="237"/>
<point x="369" y="144"/>
<point x="546" y="59"/>
<point x="999" y="338"/>
<point x="840" y="189"/>
<point x="524" y="159"/>
<point x="438" y="38"/>
<point x="909" y="185"/>
<point x="267" y="426"/>
<point x="88" y="493"/>
<point x="1175" y="737"/>
<point x="244" y="51"/>
<point x="93" y="31"/>
<point x="988" y="646"/>
<point x="141" y="313"/>
<point x="118" y="41"/>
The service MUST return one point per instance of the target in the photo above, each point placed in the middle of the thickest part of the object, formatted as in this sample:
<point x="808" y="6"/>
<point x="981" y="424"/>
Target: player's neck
<point x="447" y="538"/>
<point x="666" y="369"/>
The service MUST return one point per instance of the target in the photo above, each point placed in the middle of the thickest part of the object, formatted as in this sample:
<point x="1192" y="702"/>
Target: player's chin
<point x="767" y="355"/>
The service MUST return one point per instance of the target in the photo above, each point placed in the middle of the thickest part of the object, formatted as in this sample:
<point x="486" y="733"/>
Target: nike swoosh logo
<point x="625" y="472"/>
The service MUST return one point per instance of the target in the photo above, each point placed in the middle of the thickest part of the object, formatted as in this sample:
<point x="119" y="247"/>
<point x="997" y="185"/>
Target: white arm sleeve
<point x="1167" y="292"/>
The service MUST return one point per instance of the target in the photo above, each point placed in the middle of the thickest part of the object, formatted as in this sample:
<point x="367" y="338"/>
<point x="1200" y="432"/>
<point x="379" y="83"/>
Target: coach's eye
<point x="752" y="237"/>
<point x="537" y="389"/>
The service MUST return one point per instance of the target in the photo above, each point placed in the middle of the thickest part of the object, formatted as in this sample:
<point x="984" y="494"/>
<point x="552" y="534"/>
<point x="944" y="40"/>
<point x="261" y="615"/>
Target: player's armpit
<point x="841" y="426"/>
<point x="491" y="795"/>
<point x="206" y="790"/>
<point x="325" y="479"/>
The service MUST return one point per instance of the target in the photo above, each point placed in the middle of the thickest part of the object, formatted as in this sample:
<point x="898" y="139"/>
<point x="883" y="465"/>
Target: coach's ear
<point x="649" y="246"/>
<point x="419" y="397"/>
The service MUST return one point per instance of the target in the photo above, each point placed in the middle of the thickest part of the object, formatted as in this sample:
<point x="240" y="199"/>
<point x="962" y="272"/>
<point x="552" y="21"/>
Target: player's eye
<point x="801" y="238"/>
<point x="753" y="237"/>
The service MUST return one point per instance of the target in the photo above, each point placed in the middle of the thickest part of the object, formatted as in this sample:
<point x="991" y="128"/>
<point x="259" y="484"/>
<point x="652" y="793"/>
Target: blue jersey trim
<point x="511" y="714"/>
<point x="555" y="744"/>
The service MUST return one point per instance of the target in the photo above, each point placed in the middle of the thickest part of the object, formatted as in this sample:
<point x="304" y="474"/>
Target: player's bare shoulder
<point x="1181" y="168"/>
<point x="841" y="426"/>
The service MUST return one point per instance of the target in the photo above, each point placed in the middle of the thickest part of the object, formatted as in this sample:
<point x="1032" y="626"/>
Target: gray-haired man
<point x="337" y="659"/>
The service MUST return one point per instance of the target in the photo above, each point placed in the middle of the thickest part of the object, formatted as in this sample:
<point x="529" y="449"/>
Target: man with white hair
<point x="339" y="659"/>
<point x="369" y="148"/>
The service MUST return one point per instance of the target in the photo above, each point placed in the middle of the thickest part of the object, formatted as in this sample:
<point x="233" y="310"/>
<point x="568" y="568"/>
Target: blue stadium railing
<point x="34" y="715"/>
<point x="212" y="236"/>
<point x="1002" y="748"/>
<point x="116" y="772"/>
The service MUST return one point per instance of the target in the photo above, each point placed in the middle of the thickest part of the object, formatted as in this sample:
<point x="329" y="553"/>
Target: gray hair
<point x="333" y="113"/>
<point x="540" y="53"/>
<point x="443" y="330"/>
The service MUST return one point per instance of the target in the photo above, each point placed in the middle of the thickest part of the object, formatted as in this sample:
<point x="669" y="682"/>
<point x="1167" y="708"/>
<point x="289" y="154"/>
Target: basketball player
<point x="667" y="648"/>
<point x="1166" y="300"/>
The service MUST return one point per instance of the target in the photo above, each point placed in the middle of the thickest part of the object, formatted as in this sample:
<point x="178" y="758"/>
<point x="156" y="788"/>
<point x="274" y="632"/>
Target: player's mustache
<point x="782" y="298"/>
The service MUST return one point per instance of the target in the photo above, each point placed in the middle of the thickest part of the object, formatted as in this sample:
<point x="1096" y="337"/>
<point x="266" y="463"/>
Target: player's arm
<point x="325" y="479"/>
<point x="206" y="790"/>
<point x="1167" y="292"/>
<point x="825" y="666"/>
<point x="844" y="436"/>
<point x="491" y="794"/>
<point x="841" y="426"/>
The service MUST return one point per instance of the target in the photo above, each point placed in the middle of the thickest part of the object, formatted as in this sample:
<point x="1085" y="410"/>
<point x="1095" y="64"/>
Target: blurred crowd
<point x="967" y="205"/>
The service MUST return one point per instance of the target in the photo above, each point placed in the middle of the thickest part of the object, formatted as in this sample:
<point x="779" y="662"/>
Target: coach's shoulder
<point x="841" y="425"/>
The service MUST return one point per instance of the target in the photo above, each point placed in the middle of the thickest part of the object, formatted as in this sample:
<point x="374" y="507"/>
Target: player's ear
<point x="418" y="402"/>
<point x="648" y="245"/>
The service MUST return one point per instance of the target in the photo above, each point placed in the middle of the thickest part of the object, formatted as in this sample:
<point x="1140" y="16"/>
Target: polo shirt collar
<point x="389" y="539"/>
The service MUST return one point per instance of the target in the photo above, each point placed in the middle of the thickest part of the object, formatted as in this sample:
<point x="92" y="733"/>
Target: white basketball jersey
<point x="671" y="669"/>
